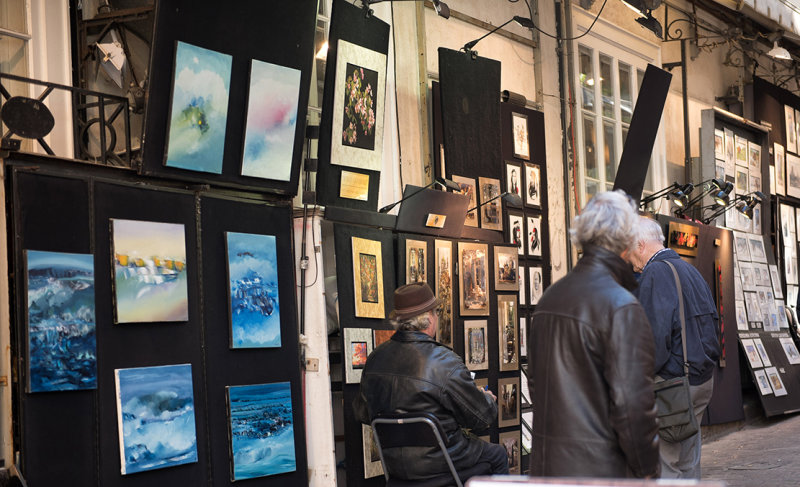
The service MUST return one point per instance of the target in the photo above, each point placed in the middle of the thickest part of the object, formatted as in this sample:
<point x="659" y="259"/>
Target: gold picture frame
<point x="508" y="332"/>
<point x="443" y="254"/>
<point x="473" y="289"/>
<point x="416" y="261"/>
<point x="368" y="278"/>
<point x="506" y="269"/>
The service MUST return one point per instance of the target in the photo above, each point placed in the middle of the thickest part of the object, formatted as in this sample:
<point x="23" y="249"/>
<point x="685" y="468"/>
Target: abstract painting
<point x="261" y="430"/>
<point x="358" y="107"/>
<point x="510" y="441"/>
<point x="491" y="217"/>
<point x="473" y="291"/>
<point x="155" y="416"/>
<point x="357" y="346"/>
<point x="535" y="236"/>
<point x="199" y="109"/>
<point x="505" y="269"/>
<point x="516" y="232"/>
<point x="507" y="332"/>
<point x="467" y="186"/>
<point x="533" y="195"/>
<point x="368" y="278"/>
<point x="519" y="126"/>
<point x="416" y="261"/>
<point x="444" y="290"/>
<point x="62" y="343"/>
<point x="149" y="271"/>
<point x="271" y="121"/>
<point x="507" y="402"/>
<point x="514" y="179"/>
<point x="253" y="291"/>
<point x="476" y="345"/>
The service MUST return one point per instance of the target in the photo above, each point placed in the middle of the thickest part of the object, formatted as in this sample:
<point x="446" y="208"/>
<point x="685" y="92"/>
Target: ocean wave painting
<point x="261" y="430"/>
<point x="62" y="346"/>
<point x="254" y="302"/>
<point x="155" y="415"/>
<point x="271" y="121"/>
<point x="199" y="109"/>
<point x="149" y="271"/>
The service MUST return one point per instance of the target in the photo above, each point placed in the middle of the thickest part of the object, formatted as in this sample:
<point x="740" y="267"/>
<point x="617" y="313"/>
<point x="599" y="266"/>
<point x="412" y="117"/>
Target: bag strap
<point x="683" y="317"/>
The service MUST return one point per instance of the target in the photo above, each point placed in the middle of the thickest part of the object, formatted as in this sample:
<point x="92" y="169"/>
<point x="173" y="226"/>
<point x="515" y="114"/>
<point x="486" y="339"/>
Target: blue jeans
<point x="496" y="456"/>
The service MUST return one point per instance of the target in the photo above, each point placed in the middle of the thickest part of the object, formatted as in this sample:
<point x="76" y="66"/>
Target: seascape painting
<point x="199" y="112"/>
<point x="254" y="300"/>
<point x="271" y="121"/>
<point x="62" y="345"/>
<point x="155" y="415"/>
<point x="261" y="430"/>
<point x="149" y="271"/>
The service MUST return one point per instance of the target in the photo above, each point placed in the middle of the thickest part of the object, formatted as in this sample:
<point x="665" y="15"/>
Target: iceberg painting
<point x="62" y="346"/>
<point x="271" y="121"/>
<point x="199" y="109"/>
<point x="155" y="415"/>
<point x="254" y="303"/>
<point x="149" y="271"/>
<point x="261" y="430"/>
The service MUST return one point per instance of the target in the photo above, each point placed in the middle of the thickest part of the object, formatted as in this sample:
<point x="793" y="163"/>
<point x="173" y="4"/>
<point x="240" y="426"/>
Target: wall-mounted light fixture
<point x="523" y="21"/>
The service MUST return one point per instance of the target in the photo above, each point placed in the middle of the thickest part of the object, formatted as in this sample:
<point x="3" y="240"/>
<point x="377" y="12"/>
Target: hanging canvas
<point x="416" y="261"/>
<point x="253" y="290"/>
<point x="754" y="156"/>
<point x="468" y="188"/>
<point x="516" y="232"/>
<point x="271" y="121"/>
<point x="199" y="114"/>
<point x="473" y="291"/>
<point x="357" y="347"/>
<point x="514" y="179"/>
<point x="476" y="345"/>
<point x="149" y="271"/>
<point x="519" y="126"/>
<point x="763" y="382"/>
<point x="536" y="283"/>
<point x="752" y="353"/>
<point x="155" y="416"/>
<point x="444" y="290"/>
<point x="372" y="458"/>
<point x="490" y="211"/>
<point x="505" y="269"/>
<point x="533" y="191"/>
<point x="522" y="291"/>
<point x="507" y="332"/>
<point x="261" y="430"/>
<point x="534" y="241"/>
<point x="791" y="133"/>
<point x="741" y="151"/>
<point x="511" y="442"/>
<point x="776" y="382"/>
<point x="792" y="175"/>
<point x="368" y="278"/>
<point x="780" y="169"/>
<point x="507" y="402"/>
<point x="357" y="139"/>
<point x="62" y="343"/>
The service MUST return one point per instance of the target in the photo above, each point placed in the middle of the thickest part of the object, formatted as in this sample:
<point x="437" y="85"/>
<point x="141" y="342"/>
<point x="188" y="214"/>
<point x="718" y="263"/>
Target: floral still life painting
<point x="199" y="112"/>
<point x="253" y="277"/>
<point x="358" y="126"/>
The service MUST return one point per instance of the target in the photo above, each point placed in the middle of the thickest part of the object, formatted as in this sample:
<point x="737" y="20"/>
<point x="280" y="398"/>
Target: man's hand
<point x="487" y="392"/>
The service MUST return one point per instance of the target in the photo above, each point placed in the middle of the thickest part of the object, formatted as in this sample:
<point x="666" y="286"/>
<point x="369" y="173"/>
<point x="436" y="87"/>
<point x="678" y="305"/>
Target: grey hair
<point x="608" y="221"/>
<point x="648" y="230"/>
<point x="416" y="323"/>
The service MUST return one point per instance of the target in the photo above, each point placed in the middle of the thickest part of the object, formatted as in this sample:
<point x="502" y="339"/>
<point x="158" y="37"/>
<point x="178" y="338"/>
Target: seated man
<point x="414" y="373"/>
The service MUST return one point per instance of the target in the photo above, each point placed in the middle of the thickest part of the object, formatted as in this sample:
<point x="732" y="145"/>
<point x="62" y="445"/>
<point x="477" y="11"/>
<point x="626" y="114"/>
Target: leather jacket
<point x="590" y="375"/>
<point x="413" y="373"/>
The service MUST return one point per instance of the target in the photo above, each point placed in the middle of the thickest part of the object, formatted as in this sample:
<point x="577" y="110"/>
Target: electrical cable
<point x="396" y="106"/>
<point x="568" y="38"/>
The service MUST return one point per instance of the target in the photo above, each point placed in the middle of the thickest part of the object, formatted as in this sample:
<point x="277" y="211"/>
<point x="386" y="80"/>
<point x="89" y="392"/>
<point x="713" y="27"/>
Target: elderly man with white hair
<point x="591" y="358"/>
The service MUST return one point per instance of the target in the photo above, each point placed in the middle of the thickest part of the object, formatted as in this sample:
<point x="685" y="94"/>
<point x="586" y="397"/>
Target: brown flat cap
<point x="412" y="300"/>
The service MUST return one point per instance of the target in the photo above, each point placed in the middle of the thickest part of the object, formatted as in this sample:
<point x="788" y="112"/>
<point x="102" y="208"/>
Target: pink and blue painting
<point x="253" y="275"/>
<point x="149" y="271"/>
<point x="199" y="114"/>
<point x="155" y="416"/>
<point x="261" y="430"/>
<point x="62" y="346"/>
<point x="271" y="121"/>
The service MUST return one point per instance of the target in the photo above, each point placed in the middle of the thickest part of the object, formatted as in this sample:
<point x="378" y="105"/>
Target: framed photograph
<point x="368" y="278"/>
<point x="357" y="346"/>
<point x="752" y="353"/>
<point x="775" y="381"/>
<point x="741" y="316"/>
<point x="536" y="283"/>
<point x="372" y="458"/>
<point x="534" y="241"/>
<point x="476" y="345"/>
<point x="511" y="442"/>
<point x="444" y="290"/>
<point x="763" y="382"/>
<point x="682" y="238"/>
<point x="792" y="175"/>
<point x="514" y="179"/>
<point x="780" y="169"/>
<point x="533" y="186"/>
<point x="416" y="261"/>
<point x="519" y="125"/>
<point x="473" y="291"/>
<point x="742" y="247"/>
<point x="507" y="402"/>
<point x="506" y="263"/>
<point x="468" y="188"/>
<point x="507" y="331"/>
<point x="757" y="249"/>
<point x="719" y="144"/>
<point x="754" y="156"/>
<point x="358" y="98"/>
<point x="741" y="151"/>
<point x="491" y="212"/>
<point x="791" y="132"/>
<point x="790" y="349"/>
<point x="522" y="291"/>
<point x="741" y="178"/>
<point x="516" y="232"/>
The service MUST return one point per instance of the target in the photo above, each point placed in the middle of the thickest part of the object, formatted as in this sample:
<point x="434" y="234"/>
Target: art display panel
<point x="473" y="289"/>
<point x="533" y="183"/>
<point x="534" y="236"/>
<point x="476" y="345"/>
<point x="150" y="283"/>
<point x="508" y="332"/>
<point x="468" y="188"/>
<point x="271" y="121"/>
<point x="490" y="211"/>
<point x="199" y="113"/>
<point x="357" y="347"/>
<point x="62" y="339"/>
<point x="416" y="261"/>
<point x="444" y="290"/>
<point x="155" y="417"/>
<point x="368" y="278"/>
<point x="519" y="125"/>
<point x="514" y="179"/>
<point x="261" y="429"/>
<point x="506" y="270"/>
<point x="511" y="442"/>
<point x="508" y="402"/>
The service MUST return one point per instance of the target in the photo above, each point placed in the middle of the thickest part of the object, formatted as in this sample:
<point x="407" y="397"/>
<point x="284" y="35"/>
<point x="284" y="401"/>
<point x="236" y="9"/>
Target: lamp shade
<point x="779" y="52"/>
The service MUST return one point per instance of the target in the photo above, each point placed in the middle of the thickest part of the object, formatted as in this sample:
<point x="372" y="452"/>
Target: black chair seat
<point x="443" y="480"/>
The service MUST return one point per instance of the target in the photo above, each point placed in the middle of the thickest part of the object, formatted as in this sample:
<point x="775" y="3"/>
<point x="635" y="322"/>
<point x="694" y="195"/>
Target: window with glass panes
<point x="14" y="42"/>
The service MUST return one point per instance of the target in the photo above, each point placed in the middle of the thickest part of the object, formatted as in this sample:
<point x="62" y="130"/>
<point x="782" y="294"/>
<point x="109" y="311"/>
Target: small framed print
<point x="533" y="187"/>
<point x="730" y="152"/>
<point x="511" y="442"/>
<point x="444" y="290"/>
<point x="358" y="346"/>
<point x="473" y="289"/>
<point x="522" y="147"/>
<point x="756" y="220"/>
<point x="755" y="181"/>
<point x="763" y="382"/>
<point x="506" y="263"/>
<point x="780" y="169"/>
<point x="790" y="350"/>
<point x="741" y="151"/>
<point x="523" y="338"/>
<point x="508" y="332"/>
<point x="754" y="156"/>
<point x="476" y="345"/>
<point x="719" y="144"/>
<point x="797" y="129"/>
<point x="522" y="291"/>
<point x="534" y="240"/>
<point x="514" y="179"/>
<point x="368" y="278"/>
<point x="741" y="179"/>
<point x="536" y="283"/>
<point x="741" y="316"/>
<point x="467" y="186"/>
<point x="434" y="220"/>
<point x="775" y="381"/>
<point x="791" y="132"/>
<point x="777" y="285"/>
<point x="683" y="238"/>
<point x="762" y="352"/>
<point x="757" y="249"/>
<point x="416" y="261"/>
<point x="516" y="232"/>
<point x="746" y="273"/>
<point x="490" y="211"/>
<point x="380" y="337"/>
<point x="787" y="223"/>
<point x="742" y="247"/>
<point x="792" y="175"/>
<point x="752" y="353"/>
<point x="507" y="402"/>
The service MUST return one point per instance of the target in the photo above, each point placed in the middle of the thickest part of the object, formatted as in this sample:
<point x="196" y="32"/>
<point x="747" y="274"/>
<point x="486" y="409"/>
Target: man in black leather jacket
<point x="414" y="373"/>
<point x="590" y="358"/>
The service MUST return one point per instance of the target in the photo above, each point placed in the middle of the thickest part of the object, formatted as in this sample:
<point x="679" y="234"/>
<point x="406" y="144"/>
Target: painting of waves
<point x="261" y="430"/>
<point x="155" y="415"/>
<point x="271" y="121"/>
<point x="62" y="346"/>
<point x="199" y="109"/>
<point x="254" y="303"/>
<point x="149" y="271"/>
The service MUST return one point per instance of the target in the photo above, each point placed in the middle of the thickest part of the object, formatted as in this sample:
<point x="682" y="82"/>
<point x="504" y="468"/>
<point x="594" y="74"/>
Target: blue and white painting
<point x="199" y="109"/>
<point x="155" y="415"/>
<point x="271" y="121"/>
<point x="255" y="307"/>
<point x="262" y="430"/>
<point x="62" y="346"/>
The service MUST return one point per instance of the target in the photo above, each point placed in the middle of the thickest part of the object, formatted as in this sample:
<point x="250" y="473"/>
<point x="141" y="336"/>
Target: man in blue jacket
<point x="658" y="294"/>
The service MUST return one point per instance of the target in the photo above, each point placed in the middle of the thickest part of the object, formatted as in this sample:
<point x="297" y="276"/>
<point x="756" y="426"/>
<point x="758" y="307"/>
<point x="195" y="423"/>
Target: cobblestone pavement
<point x="763" y="453"/>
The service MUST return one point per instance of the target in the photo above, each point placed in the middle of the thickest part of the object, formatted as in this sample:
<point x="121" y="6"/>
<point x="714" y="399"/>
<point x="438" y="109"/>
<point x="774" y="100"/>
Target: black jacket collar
<point x="596" y="257"/>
